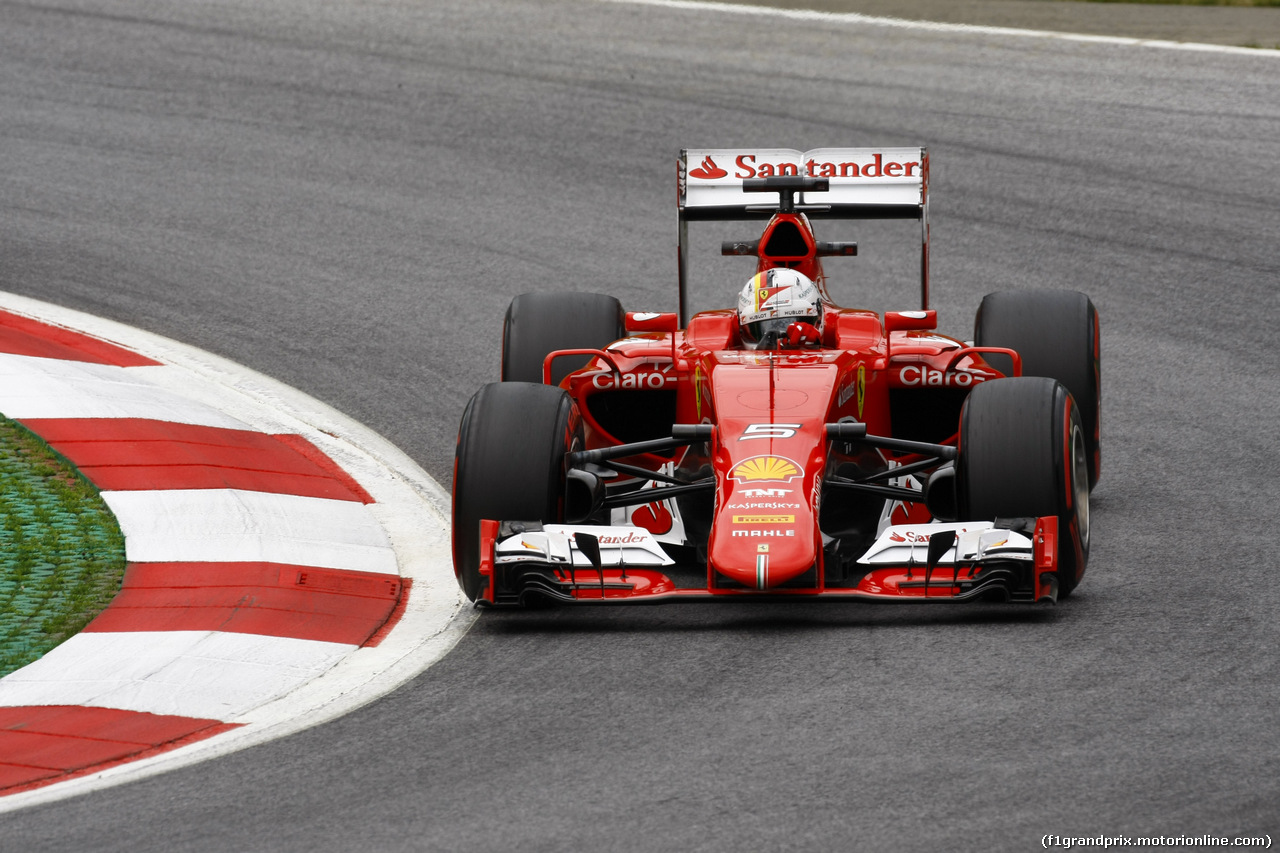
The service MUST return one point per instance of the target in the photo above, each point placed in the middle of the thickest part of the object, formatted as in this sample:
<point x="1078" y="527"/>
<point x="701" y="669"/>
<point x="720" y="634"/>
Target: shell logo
<point x="759" y="468"/>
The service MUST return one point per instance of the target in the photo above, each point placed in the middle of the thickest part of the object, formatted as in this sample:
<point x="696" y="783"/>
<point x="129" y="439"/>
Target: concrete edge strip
<point x="411" y="506"/>
<point x="940" y="27"/>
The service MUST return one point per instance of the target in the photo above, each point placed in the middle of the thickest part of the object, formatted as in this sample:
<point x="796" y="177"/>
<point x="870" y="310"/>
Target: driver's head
<point x="773" y="300"/>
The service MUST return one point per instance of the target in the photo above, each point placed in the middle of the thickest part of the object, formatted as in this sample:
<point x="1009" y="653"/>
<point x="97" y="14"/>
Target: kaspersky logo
<point x="708" y="171"/>
<point x="760" y="468"/>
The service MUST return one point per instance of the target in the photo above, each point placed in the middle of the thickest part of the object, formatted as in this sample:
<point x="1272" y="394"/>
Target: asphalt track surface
<point x="346" y="195"/>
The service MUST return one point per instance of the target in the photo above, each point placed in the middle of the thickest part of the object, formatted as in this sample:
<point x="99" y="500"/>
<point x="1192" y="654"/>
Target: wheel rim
<point x="1080" y="484"/>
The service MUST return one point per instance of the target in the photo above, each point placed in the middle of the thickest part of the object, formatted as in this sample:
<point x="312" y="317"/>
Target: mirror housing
<point x="910" y="321"/>
<point x="647" y="321"/>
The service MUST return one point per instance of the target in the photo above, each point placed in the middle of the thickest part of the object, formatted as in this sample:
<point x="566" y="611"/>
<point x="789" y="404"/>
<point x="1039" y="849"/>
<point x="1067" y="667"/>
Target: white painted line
<point x="229" y="525"/>
<point x="857" y="18"/>
<point x="53" y="388"/>
<point x="412" y="508"/>
<point x="202" y="674"/>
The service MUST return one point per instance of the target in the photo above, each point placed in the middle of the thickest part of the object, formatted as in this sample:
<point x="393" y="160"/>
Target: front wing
<point x="1006" y="560"/>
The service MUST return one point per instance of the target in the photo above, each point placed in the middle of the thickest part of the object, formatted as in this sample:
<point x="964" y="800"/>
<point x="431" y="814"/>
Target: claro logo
<point x="930" y="377"/>
<point x="630" y="381"/>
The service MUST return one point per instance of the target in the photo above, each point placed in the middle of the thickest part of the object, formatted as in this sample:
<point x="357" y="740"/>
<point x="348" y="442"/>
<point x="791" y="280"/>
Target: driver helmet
<point x="773" y="300"/>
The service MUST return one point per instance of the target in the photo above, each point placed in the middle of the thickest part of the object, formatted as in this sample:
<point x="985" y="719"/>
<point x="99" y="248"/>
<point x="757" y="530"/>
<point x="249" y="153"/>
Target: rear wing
<point x="863" y="183"/>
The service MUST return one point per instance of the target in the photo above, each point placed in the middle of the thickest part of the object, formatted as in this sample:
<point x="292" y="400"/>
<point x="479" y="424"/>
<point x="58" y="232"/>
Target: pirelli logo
<point x="764" y="519"/>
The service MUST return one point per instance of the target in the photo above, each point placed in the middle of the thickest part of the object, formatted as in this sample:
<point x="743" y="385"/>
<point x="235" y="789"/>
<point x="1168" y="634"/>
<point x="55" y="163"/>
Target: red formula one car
<point x="788" y="447"/>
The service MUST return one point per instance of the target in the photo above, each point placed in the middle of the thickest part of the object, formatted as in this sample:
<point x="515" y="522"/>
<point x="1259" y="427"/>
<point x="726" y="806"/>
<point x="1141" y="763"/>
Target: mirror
<point x="910" y="321"/>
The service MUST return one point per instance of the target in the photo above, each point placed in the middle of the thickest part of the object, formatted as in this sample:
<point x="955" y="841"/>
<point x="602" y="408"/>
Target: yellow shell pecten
<point x="765" y="468"/>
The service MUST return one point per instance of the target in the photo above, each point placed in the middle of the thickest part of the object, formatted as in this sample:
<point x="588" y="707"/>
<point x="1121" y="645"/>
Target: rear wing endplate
<point x="863" y="183"/>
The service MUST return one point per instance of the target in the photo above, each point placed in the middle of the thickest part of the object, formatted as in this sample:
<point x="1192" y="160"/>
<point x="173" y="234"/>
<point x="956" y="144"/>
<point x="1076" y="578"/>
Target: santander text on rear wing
<point x="865" y="183"/>
<point x="862" y="183"/>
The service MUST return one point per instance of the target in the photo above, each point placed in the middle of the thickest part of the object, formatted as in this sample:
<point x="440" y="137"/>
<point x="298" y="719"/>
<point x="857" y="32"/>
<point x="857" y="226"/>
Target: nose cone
<point x="763" y="565"/>
<point x="763" y="537"/>
<point x="770" y="413"/>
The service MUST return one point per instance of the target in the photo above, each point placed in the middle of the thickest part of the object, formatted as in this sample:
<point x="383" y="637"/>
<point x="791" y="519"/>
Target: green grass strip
<point x="61" y="550"/>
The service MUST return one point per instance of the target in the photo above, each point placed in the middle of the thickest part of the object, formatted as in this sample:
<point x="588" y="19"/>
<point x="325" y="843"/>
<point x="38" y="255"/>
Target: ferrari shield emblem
<point x="862" y="387"/>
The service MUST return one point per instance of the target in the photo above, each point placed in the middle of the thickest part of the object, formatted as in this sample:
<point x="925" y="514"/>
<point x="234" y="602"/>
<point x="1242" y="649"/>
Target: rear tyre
<point x="509" y="465"/>
<point x="1023" y="453"/>
<point x="1056" y="333"/>
<point x="540" y="323"/>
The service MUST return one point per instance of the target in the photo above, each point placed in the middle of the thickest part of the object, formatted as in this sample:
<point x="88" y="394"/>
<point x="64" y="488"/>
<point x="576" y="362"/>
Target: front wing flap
<point x="1009" y="560"/>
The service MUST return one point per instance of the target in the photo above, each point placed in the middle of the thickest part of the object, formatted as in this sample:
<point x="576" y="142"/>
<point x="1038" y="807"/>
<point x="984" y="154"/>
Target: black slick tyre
<point x="1023" y="454"/>
<point x="1056" y="333"/>
<point x="537" y="324"/>
<point x="508" y="465"/>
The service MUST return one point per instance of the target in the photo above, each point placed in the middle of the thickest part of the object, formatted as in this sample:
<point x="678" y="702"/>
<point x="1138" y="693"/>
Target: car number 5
<point x="769" y="431"/>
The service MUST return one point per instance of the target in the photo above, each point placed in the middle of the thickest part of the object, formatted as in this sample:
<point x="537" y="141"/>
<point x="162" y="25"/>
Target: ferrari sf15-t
<point x="644" y="457"/>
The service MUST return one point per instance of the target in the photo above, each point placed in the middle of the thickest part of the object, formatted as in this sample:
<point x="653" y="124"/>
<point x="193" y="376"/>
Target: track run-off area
<point x="345" y="197"/>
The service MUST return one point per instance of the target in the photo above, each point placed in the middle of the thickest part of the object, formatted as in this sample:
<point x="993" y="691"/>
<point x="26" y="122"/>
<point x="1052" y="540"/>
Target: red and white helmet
<point x="773" y="300"/>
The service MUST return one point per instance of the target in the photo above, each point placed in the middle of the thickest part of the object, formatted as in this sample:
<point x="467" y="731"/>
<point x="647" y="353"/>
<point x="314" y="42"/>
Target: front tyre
<point x="538" y="324"/>
<point x="1023" y="452"/>
<point x="1056" y="333"/>
<point x="509" y="465"/>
